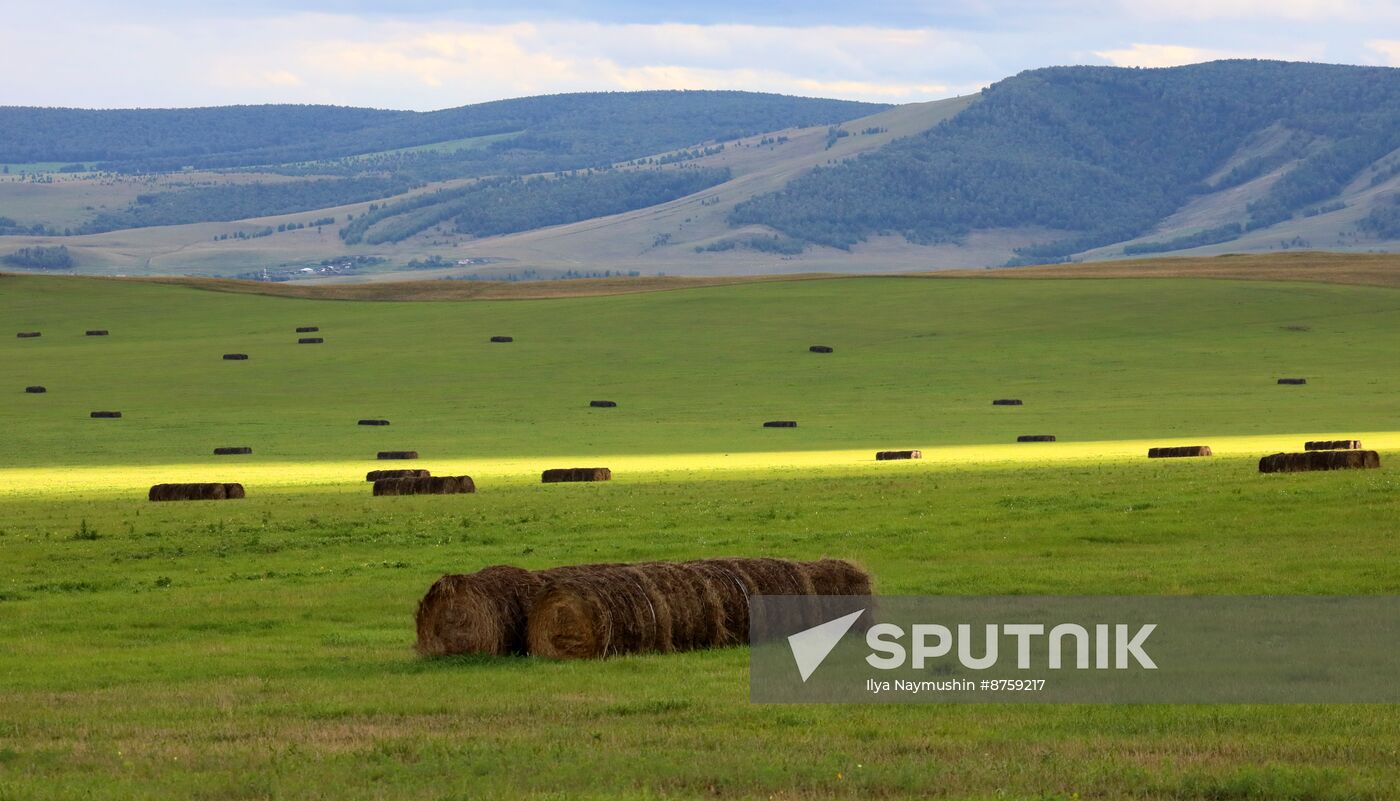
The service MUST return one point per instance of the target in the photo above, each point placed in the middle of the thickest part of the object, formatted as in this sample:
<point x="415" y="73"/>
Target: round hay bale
<point x="375" y="475"/>
<point x="36" y="390"/>
<point x="1319" y="460"/>
<point x="424" y="485"/>
<point x="562" y="474"/>
<point x="1036" y="438"/>
<point x="307" y="329"/>
<point x="780" y="424"/>
<point x="1006" y="402"/>
<point x="374" y="422"/>
<point x="1293" y="381"/>
<point x="235" y="357"/>
<point x="397" y="455"/>
<point x="96" y="332"/>
<point x="1333" y="445"/>
<point x="885" y="456"/>
<point x="820" y="349"/>
<point x="1178" y="451"/>
<point x="196" y="492"/>
<point x="602" y="404"/>
<point x="105" y="415"/>
<point x="28" y="335"/>
<point x="479" y="613"/>
<point x="232" y="451"/>
<point x="310" y="341"/>
<point x="502" y="339"/>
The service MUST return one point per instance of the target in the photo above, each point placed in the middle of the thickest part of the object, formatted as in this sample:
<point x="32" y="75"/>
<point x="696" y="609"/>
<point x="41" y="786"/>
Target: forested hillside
<point x="1102" y="153"/>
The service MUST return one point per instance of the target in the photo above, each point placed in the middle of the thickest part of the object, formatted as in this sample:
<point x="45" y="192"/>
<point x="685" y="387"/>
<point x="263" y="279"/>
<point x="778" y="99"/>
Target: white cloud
<point x="1388" y="49"/>
<point x="1167" y="55"/>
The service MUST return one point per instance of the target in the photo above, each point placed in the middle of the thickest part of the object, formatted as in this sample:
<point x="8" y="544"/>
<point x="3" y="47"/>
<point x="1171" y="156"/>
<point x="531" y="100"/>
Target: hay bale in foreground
<point x="1294" y="381"/>
<point x="235" y="357"/>
<point x="1006" y="402"/>
<point x="310" y="341"/>
<point x="1036" y="438"/>
<point x="307" y="329"/>
<point x="562" y="474"/>
<point x="196" y="492"/>
<point x="424" y="485"/>
<point x="28" y="334"/>
<point x="1333" y="445"/>
<point x="375" y="475"/>
<point x="397" y="455"/>
<point x="885" y="456"/>
<point x="661" y="607"/>
<point x="96" y="332"/>
<point x="1319" y="460"/>
<point x="602" y="404"/>
<point x="820" y="349"/>
<point x="780" y="424"/>
<point x="375" y="422"/>
<point x="1178" y="451"/>
<point x="36" y="390"/>
<point x="105" y="415"/>
<point x="502" y="339"/>
<point x="479" y="613"/>
<point x="233" y="451"/>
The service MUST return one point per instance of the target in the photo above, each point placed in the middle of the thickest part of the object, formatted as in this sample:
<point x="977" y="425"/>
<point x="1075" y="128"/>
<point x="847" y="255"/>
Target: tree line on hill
<point x="41" y="257"/>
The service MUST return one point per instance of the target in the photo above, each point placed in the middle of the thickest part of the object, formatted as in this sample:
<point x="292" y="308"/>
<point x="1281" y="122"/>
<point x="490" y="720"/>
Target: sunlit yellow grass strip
<point x="115" y="479"/>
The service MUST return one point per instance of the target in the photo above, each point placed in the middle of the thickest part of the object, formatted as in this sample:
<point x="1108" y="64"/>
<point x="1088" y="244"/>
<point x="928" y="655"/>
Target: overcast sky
<point x="424" y="54"/>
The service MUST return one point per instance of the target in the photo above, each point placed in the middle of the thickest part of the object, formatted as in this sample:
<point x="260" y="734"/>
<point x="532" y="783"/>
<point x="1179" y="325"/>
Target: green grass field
<point x="261" y="649"/>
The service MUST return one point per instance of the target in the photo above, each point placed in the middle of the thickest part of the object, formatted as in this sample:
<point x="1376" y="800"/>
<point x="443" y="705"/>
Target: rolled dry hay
<point x="36" y="390"/>
<point x="310" y="341"/>
<point x="375" y="475"/>
<point x="1178" y="451"/>
<point x="1006" y="402"/>
<point x="424" y="485"/>
<point x="1036" y="438"/>
<point x="374" y="422"/>
<point x="820" y="349"/>
<point x="1333" y="445"/>
<point x="307" y="329"/>
<point x="885" y="456"/>
<point x="560" y="474"/>
<point x="196" y="492"/>
<point x="602" y="404"/>
<point x="780" y="424"/>
<point x="480" y="613"/>
<point x="661" y="607"/>
<point x="96" y="332"/>
<point x="234" y="451"/>
<point x="106" y="415"/>
<point x="1293" y="380"/>
<point x="28" y="334"/>
<point x="1319" y="460"/>
<point x="397" y="455"/>
<point x="235" y="357"/>
<point x="502" y="339"/>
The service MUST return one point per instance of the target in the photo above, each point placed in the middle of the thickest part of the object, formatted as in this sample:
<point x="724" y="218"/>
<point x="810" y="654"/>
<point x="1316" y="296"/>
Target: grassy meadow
<point x="261" y="649"/>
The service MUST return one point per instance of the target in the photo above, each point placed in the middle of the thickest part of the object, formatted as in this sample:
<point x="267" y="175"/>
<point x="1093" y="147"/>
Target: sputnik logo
<point x="812" y="646"/>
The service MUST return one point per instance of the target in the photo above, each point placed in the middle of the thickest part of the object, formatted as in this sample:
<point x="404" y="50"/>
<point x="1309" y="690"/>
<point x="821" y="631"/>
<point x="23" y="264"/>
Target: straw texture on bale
<point x="560" y="474"/>
<point x="602" y="404"/>
<point x="502" y="339"/>
<point x="424" y="485"/>
<point x="397" y="455"/>
<point x="374" y="422"/>
<point x="1333" y="445"/>
<point x="1319" y="460"/>
<point x="196" y="492"/>
<point x="375" y="475"/>
<point x="1178" y="451"/>
<point x="480" y="613"/>
<point x="108" y="415"/>
<point x="97" y="332"/>
<point x="780" y="424"/>
<point x="233" y="451"/>
<point x="235" y="357"/>
<point x="885" y="456"/>
<point x="28" y="334"/>
<point x="1036" y="438"/>
<point x="36" y="390"/>
<point x="1006" y="402"/>
<point x="820" y="349"/>
<point x="310" y="341"/>
<point x="1293" y="380"/>
<point x="307" y="329"/>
